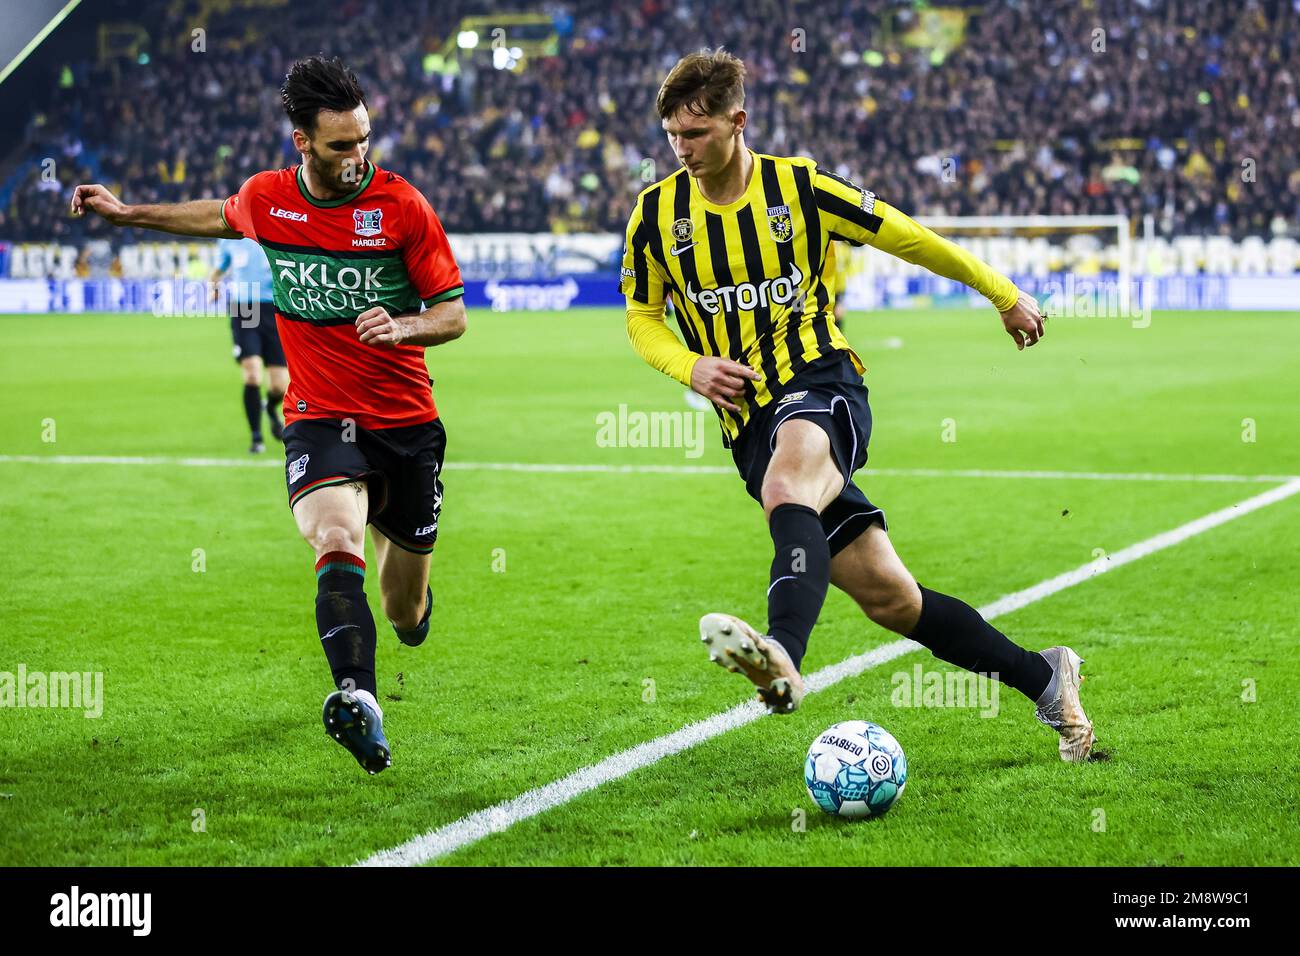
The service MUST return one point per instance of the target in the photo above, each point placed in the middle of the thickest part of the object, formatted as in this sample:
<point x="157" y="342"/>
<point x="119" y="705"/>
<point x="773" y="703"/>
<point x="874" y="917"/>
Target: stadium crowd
<point x="1187" y="110"/>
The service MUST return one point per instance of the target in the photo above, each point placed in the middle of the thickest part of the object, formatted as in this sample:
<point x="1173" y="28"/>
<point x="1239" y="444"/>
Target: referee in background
<point x="247" y="276"/>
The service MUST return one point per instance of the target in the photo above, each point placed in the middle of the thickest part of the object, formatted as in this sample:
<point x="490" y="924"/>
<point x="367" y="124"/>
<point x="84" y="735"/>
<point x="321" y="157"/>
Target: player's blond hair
<point x="707" y="83"/>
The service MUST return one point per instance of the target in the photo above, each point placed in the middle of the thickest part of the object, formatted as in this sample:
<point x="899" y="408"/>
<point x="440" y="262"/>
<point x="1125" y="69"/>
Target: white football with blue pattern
<point x="855" y="769"/>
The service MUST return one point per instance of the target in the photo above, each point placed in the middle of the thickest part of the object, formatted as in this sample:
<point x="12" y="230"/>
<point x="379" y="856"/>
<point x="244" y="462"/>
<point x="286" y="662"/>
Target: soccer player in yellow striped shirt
<point x="739" y="241"/>
<point x="837" y="271"/>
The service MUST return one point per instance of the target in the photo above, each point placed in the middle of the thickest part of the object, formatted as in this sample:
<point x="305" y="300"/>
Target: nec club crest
<point x="367" y="222"/>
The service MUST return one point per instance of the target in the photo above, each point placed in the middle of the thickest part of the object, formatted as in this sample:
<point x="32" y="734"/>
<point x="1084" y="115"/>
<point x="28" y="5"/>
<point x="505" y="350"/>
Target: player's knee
<point x="782" y="490"/>
<point x="777" y="492"/>
<point x="815" y="493"/>
<point x="895" y="606"/>
<point x="334" y="536"/>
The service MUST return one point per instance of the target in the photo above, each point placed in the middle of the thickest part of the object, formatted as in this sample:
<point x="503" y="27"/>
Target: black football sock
<point x="954" y="632"/>
<point x="253" y="409"/>
<point x="274" y="402"/>
<point x="801" y="573"/>
<point x="343" y="618"/>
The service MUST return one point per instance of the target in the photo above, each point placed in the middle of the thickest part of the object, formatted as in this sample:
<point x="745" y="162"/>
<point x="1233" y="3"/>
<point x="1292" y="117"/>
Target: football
<point x="855" y="769"/>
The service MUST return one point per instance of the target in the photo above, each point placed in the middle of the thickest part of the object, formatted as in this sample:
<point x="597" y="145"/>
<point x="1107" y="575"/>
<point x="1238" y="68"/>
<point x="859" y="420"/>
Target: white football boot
<point x="735" y="645"/>
<point x="1059" y="707"/>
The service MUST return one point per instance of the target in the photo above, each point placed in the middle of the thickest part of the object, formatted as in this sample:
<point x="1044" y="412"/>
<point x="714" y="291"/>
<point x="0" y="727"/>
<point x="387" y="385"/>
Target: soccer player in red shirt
<point x="356" y="252"/>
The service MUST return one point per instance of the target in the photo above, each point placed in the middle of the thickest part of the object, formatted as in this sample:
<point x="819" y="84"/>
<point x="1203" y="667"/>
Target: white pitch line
<point x="562" y="468"/>
<point x="1074" y="475"/>
<point x="495" y="819"/>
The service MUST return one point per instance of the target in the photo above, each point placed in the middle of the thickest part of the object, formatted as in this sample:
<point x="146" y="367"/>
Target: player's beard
<point x="330" y="176"/>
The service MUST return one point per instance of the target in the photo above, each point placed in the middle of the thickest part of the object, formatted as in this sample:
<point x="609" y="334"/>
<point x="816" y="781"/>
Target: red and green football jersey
<point x="332" y="260"/>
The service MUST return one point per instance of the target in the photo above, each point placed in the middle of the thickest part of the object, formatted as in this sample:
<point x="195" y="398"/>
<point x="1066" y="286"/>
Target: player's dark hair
<point x="707" y="83"/>
<point x="314" y="84"/>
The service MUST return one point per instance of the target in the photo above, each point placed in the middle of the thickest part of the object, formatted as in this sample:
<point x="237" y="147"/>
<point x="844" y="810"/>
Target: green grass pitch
<point x="565" y="625"/>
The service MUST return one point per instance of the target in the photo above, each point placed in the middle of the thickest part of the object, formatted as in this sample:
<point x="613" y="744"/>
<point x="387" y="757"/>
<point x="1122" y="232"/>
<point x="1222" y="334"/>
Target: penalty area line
<point x="476" y="826"/>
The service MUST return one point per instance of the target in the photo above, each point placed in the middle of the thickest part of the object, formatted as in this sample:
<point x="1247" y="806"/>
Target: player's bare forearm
<point x="434" y="326"/>
<point x="200" y="217"/>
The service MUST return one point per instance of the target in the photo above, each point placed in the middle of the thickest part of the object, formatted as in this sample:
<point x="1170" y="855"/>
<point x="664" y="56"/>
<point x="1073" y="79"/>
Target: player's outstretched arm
<point x="437" y="324"/>
<point x="904" y="237"/>
<point x="201" y="217"/>
<point x="853" y="213"/>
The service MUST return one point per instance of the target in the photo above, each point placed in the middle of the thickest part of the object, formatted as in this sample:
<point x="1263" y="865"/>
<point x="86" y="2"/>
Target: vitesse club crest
<point x="368" y="222"/>
<point x="683" y="229"/>
<point x="779" y="223"/>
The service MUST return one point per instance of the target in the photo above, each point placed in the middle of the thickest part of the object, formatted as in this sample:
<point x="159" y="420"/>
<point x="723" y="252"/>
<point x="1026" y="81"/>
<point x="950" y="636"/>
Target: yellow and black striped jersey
<point x="746" y="279"/>
<point x="837" y="270"/>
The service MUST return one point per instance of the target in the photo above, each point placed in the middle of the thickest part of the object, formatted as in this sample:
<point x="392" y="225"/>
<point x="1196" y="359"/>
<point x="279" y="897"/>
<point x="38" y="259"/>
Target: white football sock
<point x="369" y="698"/>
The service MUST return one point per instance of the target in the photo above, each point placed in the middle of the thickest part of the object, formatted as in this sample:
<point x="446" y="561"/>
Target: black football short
<point x="401" y="466"/>
<point x="252" y="326"/>
<point x="830" y="393"/>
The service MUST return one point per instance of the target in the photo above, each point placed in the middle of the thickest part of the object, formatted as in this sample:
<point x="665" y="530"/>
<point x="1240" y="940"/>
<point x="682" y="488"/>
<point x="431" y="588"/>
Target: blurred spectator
<point x="1180" y="108"/>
